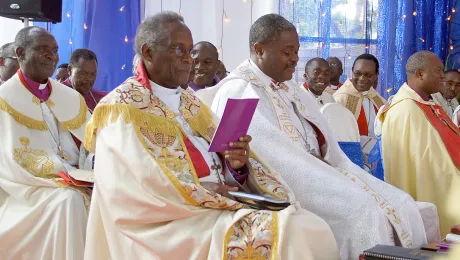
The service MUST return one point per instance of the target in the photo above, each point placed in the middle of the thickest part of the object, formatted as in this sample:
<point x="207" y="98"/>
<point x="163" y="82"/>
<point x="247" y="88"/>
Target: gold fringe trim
<point x="21" y="118"/>
<point x="203" y="123"/>
<point x="79" y="120"/>
<point x="106" y="114"/>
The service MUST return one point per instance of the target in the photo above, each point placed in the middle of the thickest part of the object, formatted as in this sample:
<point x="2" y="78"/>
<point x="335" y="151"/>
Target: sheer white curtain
<point x="204" y="18"/>
<point x="8" y="29"/>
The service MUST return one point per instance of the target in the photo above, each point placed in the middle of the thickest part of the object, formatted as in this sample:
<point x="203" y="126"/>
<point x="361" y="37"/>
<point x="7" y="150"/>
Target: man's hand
<point x="219" y="188"/>
<point x="238" y="155"/>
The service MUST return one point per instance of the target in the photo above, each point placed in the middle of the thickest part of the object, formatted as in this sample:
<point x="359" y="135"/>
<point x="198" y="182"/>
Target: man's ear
<point x="19" y="53"/>
<point x="259" y="49"/>
<point x="69" y="70"/>
<point x="2" y="61"/>
<point x="146" y="53"/>
<point x="419" y="74"/>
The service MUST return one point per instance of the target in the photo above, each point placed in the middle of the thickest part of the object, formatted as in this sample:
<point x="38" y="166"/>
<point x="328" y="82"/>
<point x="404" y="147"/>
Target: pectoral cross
<point x="215" y="166"/>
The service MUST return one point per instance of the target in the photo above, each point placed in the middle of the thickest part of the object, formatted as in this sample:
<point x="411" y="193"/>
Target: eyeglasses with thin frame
<point x="180" y="50"/>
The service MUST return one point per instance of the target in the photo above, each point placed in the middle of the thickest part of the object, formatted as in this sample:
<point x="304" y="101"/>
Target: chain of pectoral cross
<point x="56" y="140"/>
<point x="217" y="167"/>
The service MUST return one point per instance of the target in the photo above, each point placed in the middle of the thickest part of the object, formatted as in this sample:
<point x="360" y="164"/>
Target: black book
<point x="380" y="252"/>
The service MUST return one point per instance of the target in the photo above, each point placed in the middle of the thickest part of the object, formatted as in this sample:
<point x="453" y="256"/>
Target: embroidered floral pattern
<point x="254" y="236"/>
<point x="266" y="181"/>
<point x="35" y="161"/>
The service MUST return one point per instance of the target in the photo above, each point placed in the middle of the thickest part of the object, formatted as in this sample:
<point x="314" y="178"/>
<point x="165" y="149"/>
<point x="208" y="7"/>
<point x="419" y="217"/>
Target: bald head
<point x="205" y="64"/>
<point x="7" y="50"/>
<point x="425" y="72"/>
<point x="37" y="51"/>
<point x="8" y="61"/>
<point x="317" y="75"/>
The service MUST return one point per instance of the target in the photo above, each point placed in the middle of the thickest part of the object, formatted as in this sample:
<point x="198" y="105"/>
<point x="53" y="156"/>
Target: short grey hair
<point x="417" y="61"/>
<point x="23" y="39"/>
<point x="7" y="50"/>
<point x="267" y="29"/>
<point x="136" y="60"/>
<point x="153" y="29"/>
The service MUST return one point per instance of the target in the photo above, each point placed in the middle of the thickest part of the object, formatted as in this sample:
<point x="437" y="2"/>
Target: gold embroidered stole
<point x="348" y="96"/>
<point x="254" y="235"/>
<point x="32" y="149"/>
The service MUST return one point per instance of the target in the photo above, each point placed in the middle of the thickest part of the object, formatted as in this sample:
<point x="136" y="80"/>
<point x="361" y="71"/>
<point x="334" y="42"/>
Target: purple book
<point x="234" y="124"/>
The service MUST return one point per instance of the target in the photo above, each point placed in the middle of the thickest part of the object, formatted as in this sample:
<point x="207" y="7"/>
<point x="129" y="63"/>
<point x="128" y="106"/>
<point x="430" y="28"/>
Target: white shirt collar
<point x="157" y="89"/>
<point x="42" y="86"/>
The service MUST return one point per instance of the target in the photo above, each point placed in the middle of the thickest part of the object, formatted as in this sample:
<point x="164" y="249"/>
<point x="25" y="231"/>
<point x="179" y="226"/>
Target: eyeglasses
<point x="10" y="57"/>
<point x="180" y="50"/>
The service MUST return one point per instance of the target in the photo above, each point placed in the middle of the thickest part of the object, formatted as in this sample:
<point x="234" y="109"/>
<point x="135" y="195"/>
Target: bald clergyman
<point x="421" y="152"/>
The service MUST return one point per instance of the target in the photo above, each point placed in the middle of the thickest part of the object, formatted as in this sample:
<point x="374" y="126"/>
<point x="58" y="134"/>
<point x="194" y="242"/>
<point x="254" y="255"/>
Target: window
<point x="341" y="28"/>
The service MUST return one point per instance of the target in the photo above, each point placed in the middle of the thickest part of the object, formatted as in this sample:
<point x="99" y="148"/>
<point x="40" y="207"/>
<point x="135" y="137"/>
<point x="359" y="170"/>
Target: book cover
<point x="399" y="253"/>
<point x="234" y="124"/>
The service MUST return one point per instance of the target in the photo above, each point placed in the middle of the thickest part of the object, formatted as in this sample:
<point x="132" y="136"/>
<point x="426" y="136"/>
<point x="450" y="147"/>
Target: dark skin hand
<point x="237" y="157"/>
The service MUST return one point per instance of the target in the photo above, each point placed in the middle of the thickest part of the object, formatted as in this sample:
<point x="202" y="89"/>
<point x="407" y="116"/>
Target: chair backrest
<point x="342" y="122"/>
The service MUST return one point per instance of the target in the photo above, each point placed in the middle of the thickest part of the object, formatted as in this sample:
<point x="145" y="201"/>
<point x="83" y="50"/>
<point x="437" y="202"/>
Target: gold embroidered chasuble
<point x="29" y="186"/>
<point x="133" y="123"/>
<point x="348" y="96"/>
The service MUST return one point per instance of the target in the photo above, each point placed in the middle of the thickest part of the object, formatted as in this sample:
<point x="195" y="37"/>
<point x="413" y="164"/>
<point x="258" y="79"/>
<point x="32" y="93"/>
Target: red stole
<point x="362" y="121"/>
<point x="449" y="133"/>
<point x="200" y="165"/>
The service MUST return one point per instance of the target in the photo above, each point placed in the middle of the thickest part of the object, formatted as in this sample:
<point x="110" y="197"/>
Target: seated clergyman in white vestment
<point x="317" y="79"/>
<point x="289" y="132"/>
<point x="160" y="194"/>
<point x="42" y="127"/>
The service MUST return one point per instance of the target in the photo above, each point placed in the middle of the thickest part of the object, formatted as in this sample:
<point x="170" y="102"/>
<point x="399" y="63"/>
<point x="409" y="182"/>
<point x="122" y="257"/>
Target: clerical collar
<point x="422" y="95"/>
<point x="334" y="87"/>
<point x="41" y="91"/>
<point x="195" y="88"/>
<point x="266" y="80"/>
<point x="365" y="93"/>
<point x="157" y="89"/>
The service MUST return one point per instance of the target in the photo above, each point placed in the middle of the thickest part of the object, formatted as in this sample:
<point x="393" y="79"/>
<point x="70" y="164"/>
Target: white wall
<point x="204" y="18"/>
<point x="8" y="29"/>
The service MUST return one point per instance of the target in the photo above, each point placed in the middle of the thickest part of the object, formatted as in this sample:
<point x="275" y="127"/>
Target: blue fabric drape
<point x="390" y="30"/>
<point x="453" y="61"/>
<point x="353" y="152"/>
<point x="110" y="29"/>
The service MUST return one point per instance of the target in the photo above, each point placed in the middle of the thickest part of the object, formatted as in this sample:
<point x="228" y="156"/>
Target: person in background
<point x="205" y="64"/>
<point x="222" y="71"/>
<point x="44" y="125"/>
<point x="420" y="144"/>
<point x="160" y="193"/>
<point x="336" y="71"/>
<point x="82" y="76"/>
<point x="9" y="64"/>
<point x="62" y="72"/>
<point x="447" y="98"/>
<point x="359" y="96"/>
<point x="317" y="79"/>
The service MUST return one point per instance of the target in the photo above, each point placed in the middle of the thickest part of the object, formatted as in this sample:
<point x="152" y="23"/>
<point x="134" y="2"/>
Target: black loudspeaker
<point x="35" y="10"/>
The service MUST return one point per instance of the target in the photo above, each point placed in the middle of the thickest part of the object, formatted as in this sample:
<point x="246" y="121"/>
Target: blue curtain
<point x="106" y="27"/>
<point x="390" y="30"/>
<point x="453" y="60"/>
